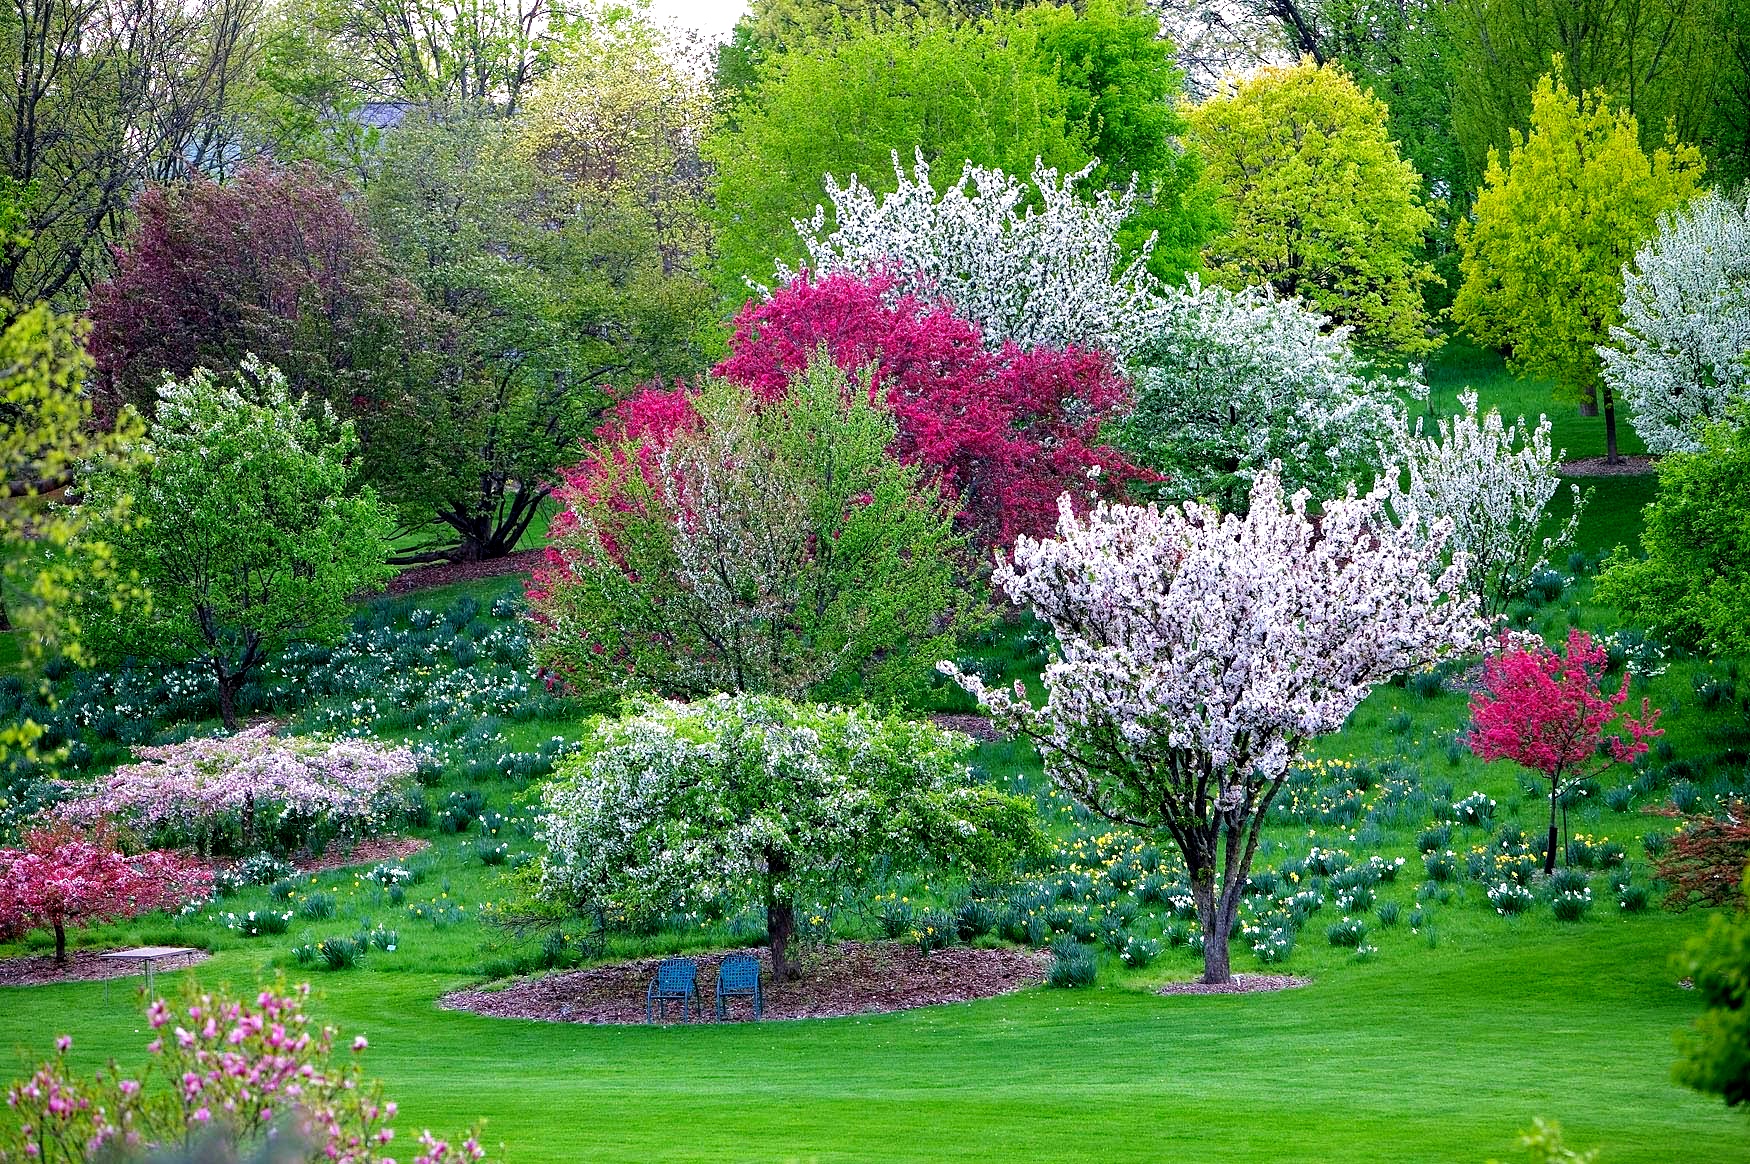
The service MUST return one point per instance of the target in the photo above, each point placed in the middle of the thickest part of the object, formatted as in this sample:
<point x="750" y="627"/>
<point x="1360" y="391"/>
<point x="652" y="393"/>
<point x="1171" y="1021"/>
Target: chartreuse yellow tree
<point x="1316" y="201"/>
<point x="244" y="522"/>
<point x="1554" y="224"/>
<point x="1197" y="653"/>
<point x="751" y="801"/>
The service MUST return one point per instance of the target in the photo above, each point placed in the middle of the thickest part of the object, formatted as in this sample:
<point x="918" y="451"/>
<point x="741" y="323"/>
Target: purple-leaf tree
<point x="1198" y="653"/>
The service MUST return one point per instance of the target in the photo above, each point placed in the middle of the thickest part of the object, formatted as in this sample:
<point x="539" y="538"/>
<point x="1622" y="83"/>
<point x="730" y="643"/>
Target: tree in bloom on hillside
<point x="1008" y="430"/>
<point x="1678" y="357"/>
<point x="1046" y="276"/>
<point x="1493" y="480"/>
<point x="1548" y="712"/>
<point x="232" y="1075"/>
<point x="1197" y="653"/>
<point x="251" y="789"/>
<point x="61" y="878"/>
<point x="1231" y="383"/>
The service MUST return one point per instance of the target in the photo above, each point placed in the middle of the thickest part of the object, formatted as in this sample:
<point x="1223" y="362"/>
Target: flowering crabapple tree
<point x="1047" y="276"/>
<point x="252" y="789"/>
<point x="1678" y="359"/>
<point x="717" y="543"/>
<point x="1230" y="382"/>
<point x="742" y="801"/>
<point x="1007" y="430"/>
<point x="231" y="1075"/>
<point x="64" y="878"/>
<point x="1197" y="653"/>
<point x="1492" y="481"/>
<point x="1548" y="712"/>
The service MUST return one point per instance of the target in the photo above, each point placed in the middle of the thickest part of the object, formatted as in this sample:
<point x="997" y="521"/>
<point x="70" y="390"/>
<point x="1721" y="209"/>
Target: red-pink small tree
<point x="61" y="878"/>
<point x="1549" y="712"/>
<point x="1008" y="431"/>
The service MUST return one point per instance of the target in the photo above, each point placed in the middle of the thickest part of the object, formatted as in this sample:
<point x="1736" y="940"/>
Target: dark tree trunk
<point x="60" y="943"/>
<point x="780" y="920"/>
<point x="1549" y="852"/>
<point x="248" y="821"/>
<point x="1610" y="454"/>
<point x="1217" y="967"/>
<point x="228" y="685"/>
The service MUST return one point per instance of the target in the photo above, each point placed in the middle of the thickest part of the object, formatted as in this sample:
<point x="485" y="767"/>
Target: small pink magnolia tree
<point x="224" y="1072"/>
<point x="1550" y="713"/>
<point x="62" y="879"/>
<point x="1197" y="653"/>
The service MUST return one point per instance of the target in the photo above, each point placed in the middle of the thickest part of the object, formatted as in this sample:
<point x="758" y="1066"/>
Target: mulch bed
<point x="363" y="853"/>
<point x="1242" y="984"/>
<point x="82" y="966"/>
<point x="848" y="979"/>
<point x="447" y="573"/>
<point x="1601" y="467"/>
<point x="978" y="727"/>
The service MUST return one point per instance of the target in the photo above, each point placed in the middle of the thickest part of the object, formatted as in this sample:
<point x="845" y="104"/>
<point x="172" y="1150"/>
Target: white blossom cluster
<point x="1037" y="277"/>
<point x="1492" y="481"/>
<point x="1679" y="359"/>
<point x="1229" y="382"/>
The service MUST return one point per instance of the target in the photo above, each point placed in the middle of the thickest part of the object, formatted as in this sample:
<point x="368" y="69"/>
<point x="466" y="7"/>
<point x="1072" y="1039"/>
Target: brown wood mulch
<point x="850" y="978"/>
<point x="448" y="573"/>
<point x="1241" y="984"/>
<point x="1601" y="467"/>
<point x="363" y="853"/>
<point x="82" y="966"/>
<point x="979" y="727"/>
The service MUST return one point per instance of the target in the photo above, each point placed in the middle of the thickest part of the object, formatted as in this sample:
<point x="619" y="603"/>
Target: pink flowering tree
<point x="233" y="1072"/>
<point x="1197" y="653"/>
<point x="61" y="878"/>
<point x="252" y="789"/>
<point x="1549" y="712"/>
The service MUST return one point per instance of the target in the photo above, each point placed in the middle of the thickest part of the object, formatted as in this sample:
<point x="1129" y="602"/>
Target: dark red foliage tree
<point x="1705" y="862"/>
<point x="272" y="262"/>
<point x="64" y="878"/>
<point x="1009" y="431"/>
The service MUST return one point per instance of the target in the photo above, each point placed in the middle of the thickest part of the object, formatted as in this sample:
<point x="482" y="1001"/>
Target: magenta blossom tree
<point x="63" y="878"/>
<point x="1198" y="652"/>
<point x="1549" y="712"/>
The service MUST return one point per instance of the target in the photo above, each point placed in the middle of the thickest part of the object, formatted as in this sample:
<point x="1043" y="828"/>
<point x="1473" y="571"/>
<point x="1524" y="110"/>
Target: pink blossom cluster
<point x="199" y="785"/>
<point x="244" y="1071"/>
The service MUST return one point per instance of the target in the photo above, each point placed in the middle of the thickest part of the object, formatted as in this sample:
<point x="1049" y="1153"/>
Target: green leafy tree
<point x="740" y="546"/>
<point x="1554" y="224"/>
<point x="752" y="801"/>
<point x="1715" y="1053"/>
<point x="244" y="523"/>
<point x="1050" y="83"/>
<point x="1693" y="585"/>
<point x="1317" y="202"/>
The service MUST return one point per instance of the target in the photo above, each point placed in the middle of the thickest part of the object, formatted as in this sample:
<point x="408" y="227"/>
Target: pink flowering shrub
<point x="61" y="879"/>
<point x="252" y="790"/>
<point x="226" y="1070"/>
<point x="1549" y="712"/>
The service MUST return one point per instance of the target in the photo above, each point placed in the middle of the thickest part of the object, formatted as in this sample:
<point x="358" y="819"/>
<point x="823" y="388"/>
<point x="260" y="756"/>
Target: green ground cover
<point x="1441" y="1039"/>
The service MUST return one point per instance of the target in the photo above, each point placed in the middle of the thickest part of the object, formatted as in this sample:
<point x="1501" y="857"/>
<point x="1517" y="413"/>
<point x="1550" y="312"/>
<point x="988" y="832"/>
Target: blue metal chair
<point x="677" y="980"/>
<point x="738" y="976"/>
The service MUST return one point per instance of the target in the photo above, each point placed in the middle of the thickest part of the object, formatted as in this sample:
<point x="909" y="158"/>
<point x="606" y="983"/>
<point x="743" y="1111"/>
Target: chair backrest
<point x="676" y="973"/>
<point x="739" y="972"/>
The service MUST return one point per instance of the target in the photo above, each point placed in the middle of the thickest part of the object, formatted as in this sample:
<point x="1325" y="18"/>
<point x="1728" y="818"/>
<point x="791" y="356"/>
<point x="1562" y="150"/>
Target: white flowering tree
<point x="742" y="801"/>
<point x="1679" y="355"/>
<point x="1197" y="654"/>
<point x="1229" y="382"/>
<point x="1052" y="275"/>
<point x="1492" y="480"/>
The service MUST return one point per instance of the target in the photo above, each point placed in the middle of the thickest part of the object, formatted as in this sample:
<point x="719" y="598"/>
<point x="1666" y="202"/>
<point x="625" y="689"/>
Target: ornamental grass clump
<point x="1073" y="965"/>
<point x="253" y="789"/>
<point x="1350" y="932"/>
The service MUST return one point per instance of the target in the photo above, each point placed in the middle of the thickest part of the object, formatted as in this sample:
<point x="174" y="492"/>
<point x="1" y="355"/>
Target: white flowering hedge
<point x="1229" y="382"/>
<point x="1493" y="481"/>
<point x="744" y="801"/>
<point x="1679" y="357"/>
<point x="1052" y="275"/>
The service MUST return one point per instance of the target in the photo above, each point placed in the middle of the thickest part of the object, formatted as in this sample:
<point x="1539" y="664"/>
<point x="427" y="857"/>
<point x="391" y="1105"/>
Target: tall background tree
<point x="100" y="97"/>
<point x="1557" y="219"/>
